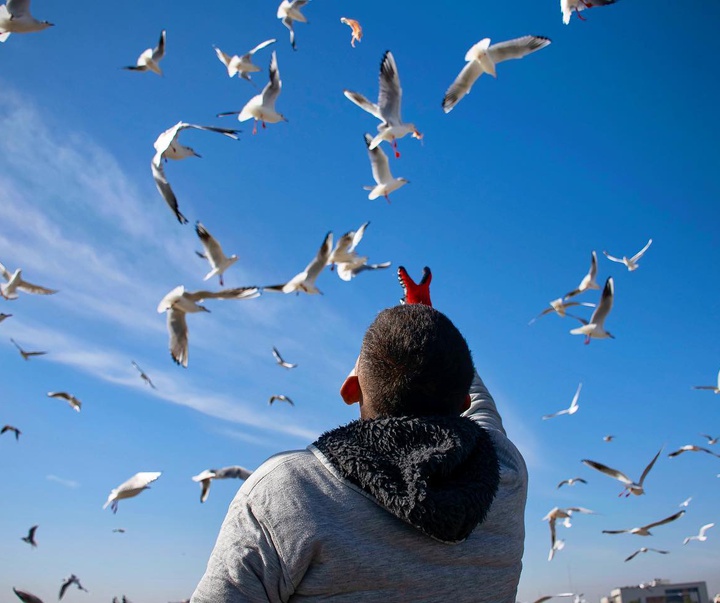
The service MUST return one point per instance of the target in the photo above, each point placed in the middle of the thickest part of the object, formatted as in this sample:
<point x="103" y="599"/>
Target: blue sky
<point x="606" y="138"/>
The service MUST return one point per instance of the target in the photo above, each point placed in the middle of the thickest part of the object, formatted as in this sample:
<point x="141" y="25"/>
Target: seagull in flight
<point x="714" y="388"/>
<point x="595" y="328"/>
<point x="571" y="482"/>
<point x="30" y="538"/>
<point x="691" y="448"/>
<point x="344" y="250"/>
<point x="150" y="59"/>
<point x="588" y="281"/>
<point x="385" y="183"/>
<point x="559" y="307"/>
<point x="387" y="110"/>
<point x="74" y="403"/>
<point x="167" y="146"/>
<point x="631" y="487"/>
<point x="214" y="254"/>
<point x="631" y="263"/>
<point x="565" y="514"/>
<point x="261" y="107"/>
<point x="568" y="6"/>
<point x="27" y="597"/>
<point x="608" y="438"/>
<point x="280" y="361"/>
<point x="15" y="281"/>
<point x="571" y="410"/>
<point x="24" y="354"/>
<point x="289" y="12"/>
<point x="205" y="477"/>
<point x="132" y="487"/>
<point x="143" y="374"/>
<point x="305" y="280"/>
<point x="645" y="549"/>
<point x="415" y="293"/>
<point x="15" y="430"/>
<point x="645" y="530"/>
<point x="73" y="579"/>
<point x="356" y="30"/>
<point x="701" y="535"/>
<point x="281" y="398"/>
<point x="178" y="302"/>
<point x="482" y="58"/>
<point x="711" y="440"/>
<point x="242" y="65"/>
<point x="15" y="17"/>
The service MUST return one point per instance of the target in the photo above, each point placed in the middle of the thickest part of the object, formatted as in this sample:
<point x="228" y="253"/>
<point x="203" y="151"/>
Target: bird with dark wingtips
<point x="26" y="596"/>
<point x="205" y="477"/>
<point x="30" y="538"/>
<point x="281" y="398"/>
<point x="11" y="428"/>
<point x="73" y="579"/>
<point x="415" y="293"/>
<point x="645" y="530"/>
<point x="630" y="486"/>
<point x="26" y="355"/>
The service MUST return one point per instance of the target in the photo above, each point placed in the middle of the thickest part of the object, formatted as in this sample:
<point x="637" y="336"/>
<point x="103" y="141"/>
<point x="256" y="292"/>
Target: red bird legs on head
<point x="415" y="293"/>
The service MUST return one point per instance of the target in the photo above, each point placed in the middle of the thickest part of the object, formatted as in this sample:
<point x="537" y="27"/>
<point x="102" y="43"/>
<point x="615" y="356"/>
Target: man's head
<point x="413" y="361"/>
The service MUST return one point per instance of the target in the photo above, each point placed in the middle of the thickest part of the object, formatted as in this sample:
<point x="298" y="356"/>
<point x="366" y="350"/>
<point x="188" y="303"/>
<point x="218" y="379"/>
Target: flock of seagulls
<point x="482" y="57"/>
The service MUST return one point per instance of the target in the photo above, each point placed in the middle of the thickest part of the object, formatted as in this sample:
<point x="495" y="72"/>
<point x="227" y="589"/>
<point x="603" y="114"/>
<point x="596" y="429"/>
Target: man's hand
<point x="415" y="293"/>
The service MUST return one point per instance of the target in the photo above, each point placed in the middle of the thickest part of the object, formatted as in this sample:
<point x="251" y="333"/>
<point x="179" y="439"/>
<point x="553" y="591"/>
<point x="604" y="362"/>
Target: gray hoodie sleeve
<point x="482" y="406"/>
<point x="244" y="565"/>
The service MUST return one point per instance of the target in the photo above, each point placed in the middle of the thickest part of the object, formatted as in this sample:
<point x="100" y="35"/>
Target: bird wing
<point x="163" y="187"/>
<point x="164" y="140"/>
<point x="640" y="253"/>
<point x="64" y="587"/>
<point x="612" y="258"/>
<point x="273" y="87"/>
<point x="319" y="262"/>
<point x="357" y="236"/>
<point x="619" y="475"/>
<point x="259" y="47"/>
<point x="705" y="528"/>
<point x="615" y="531"/>
<point x="204" y="489"/>
<point x="650" y="466"/>
<point x="390" y="95"/>
<point x="234" y="472"/>
<point x="18" y="8"/>
<point x="462" y="85"/>
<point x="378" y="162"/>
<point x="666" y="520"/>
<point x="363" y="103"/>
<point x="140" y="480"/>
<point x="159" y="51"/>
<point x="36" y="289"/>
<point x="555" y="414"/>
<point x="517" y="48"/>
<point x="235" y="293"/>
<point x="634" y="554"/>
<point x="5" y="272"/>
<point x="574" y="403"/>
<point x="178" y="331"/>
<point x="605" y="305"/>
<point x="229" y="132"/>
<point x="277" y="355"/>
<point x="212" y="248"/>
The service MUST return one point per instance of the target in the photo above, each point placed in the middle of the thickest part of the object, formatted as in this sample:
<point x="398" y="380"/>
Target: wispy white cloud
<point x="68" y="483"/>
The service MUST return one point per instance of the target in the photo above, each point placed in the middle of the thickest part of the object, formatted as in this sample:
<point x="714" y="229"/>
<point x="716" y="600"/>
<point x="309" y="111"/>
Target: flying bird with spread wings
<point x="150" y="58"/>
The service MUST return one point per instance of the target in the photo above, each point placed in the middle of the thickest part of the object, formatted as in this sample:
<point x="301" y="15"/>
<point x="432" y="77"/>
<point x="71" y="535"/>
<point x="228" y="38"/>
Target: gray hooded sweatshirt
<point x="384" y="510"/>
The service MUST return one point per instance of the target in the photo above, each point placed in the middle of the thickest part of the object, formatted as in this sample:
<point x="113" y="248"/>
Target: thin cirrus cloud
<point x="68" y="483"/>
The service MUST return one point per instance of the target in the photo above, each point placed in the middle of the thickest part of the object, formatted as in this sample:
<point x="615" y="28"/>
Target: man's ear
<point x="350" y="390"/>
<point x="466" y="403"/>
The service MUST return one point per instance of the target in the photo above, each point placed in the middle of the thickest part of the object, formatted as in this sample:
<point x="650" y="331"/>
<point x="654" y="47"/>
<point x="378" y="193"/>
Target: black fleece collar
<point x="439" y="474"/>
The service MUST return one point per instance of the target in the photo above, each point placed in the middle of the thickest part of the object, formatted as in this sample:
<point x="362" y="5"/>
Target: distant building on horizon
<point x="660" y="591"/>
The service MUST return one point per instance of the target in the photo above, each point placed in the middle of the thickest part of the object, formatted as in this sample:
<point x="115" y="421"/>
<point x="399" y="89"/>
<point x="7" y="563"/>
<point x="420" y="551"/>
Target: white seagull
<point x="686" y="502"/>
<point x="23" y="353"/>
<point x="74" y="403"/>
<point x="691" y="448"/>
<point x="588" y="281"/>
<point x="701" y="535"/>
<point x="711" y="440"/>
<point x="571" y="482"/>
<point x="178" y="302"/>
<point x="15" y="282"/>
<point x="713" y="388"/>
<point x="143" y="374"/>
<point x="630" y="486"/>
<point x="571" y="410"/>
<point x="482" y="58"/>
<point x="279" y="359"/>
<point x="167" y="146"/>
<point x="214" y="254"/>
<point x="305" y="280"/>
<point x="559" y="307"/>
<point x="595" y="328"/>
<point x="344" y="250"/>
<point x="645" y="530"/>
<point x="645" y="549"/>
<point x="132" y="487"/>
<point x="205" y="477"/>
<point x="289" y="11"/>
<point x="631" y="263"/>
<point x="149" y="60"/>
<point x="568" y="6"/>
<point x="261" y="107"/>
<point x="349" y="270"/>
<point x="387" y="109"/>
<point x="242" y="65"/>
<point x="281" y="398"/>
<point x="15" y="17"/>
<point x="385" y="183"/>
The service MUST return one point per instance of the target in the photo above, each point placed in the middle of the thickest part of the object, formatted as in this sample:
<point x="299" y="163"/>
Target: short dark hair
<point x="414" y="361"/>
